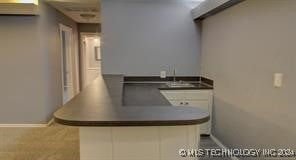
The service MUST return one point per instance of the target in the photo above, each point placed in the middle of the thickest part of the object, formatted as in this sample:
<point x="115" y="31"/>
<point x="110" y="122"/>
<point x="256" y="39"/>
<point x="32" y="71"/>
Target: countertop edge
<point x="130" y="123"/>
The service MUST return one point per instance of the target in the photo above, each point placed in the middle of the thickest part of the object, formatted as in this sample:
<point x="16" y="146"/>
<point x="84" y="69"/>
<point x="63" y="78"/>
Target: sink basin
<point x="179" y="84"/>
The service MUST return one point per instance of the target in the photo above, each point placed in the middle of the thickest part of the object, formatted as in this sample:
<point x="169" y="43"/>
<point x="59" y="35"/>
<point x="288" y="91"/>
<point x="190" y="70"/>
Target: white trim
<point x="74" y="60"/>
<point x="27" y="125"/>
<point x="65" y="28"/>
<point x="93" y="68"/>
<point x="211" y="97"/>
<point x="50" y="122"/>
<point x="221" y="145"/>
<point x="22" y="125"/>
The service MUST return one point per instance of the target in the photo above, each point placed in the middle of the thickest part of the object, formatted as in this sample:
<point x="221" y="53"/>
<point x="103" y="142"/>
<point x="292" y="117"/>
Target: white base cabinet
<point x="137" y="143"/>
<point x="202" y="99"/>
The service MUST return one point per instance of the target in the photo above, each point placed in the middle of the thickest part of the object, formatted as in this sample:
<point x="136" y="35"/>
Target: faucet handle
<point x="175" y="72"/>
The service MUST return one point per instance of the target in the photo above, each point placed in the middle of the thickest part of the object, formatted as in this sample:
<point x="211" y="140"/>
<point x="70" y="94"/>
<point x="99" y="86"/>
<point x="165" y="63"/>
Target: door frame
<point x="73" y="58"/>
<point x="83" y="56"/>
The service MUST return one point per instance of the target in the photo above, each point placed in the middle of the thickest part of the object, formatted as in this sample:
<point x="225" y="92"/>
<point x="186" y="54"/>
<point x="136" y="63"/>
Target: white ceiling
<point x="193" y="3"/>
<point x="74" y="9"/>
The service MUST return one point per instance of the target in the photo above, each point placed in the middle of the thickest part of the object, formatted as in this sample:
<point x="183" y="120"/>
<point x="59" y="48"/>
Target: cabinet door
<point x="204" y="105"/>
<point x="196" y="94"/>
<point x="174" y="94"/>
<point x="198" y="104"/>
<point x="177" y="102"/>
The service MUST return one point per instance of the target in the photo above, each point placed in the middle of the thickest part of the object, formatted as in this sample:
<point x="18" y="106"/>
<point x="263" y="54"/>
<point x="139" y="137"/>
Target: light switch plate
<point x="278" y="80"/>
<point x="162" y="74"/>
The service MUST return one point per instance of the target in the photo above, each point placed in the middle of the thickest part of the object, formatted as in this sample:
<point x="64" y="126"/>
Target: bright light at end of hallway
<point x="97" y="40"/>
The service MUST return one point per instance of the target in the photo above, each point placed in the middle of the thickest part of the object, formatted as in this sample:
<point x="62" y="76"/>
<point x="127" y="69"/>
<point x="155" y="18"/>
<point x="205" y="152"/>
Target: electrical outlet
<point x="278" y="80"/>
<point x="162" y="74"/>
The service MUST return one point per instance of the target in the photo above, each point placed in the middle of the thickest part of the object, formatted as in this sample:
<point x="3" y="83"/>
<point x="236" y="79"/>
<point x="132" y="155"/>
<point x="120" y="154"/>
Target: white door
<point x="67" y="62"/>
<point x="92" y="58"/>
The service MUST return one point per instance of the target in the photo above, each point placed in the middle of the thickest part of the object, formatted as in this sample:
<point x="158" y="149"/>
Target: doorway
<point x="69" y="63"/>
<point x="91" y="57"/>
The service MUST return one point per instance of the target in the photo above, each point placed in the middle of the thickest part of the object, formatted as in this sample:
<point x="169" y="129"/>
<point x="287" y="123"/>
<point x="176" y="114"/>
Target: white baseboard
<point x="26" y="125"/>
<point x="221" y="145"/>
<point x="50" y="122"/>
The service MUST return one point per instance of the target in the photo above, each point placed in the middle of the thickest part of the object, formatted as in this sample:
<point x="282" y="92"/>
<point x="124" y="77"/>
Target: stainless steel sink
<point x="179" y="84"/>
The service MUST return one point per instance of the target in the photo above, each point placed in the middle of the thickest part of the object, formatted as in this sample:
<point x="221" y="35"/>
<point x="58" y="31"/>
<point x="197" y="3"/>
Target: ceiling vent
<point x="81" y="9"/>
<point x="87" y="16"/>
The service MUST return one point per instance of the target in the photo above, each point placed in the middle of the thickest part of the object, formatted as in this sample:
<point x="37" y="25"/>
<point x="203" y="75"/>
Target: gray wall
<point x="145" y="37"/>
<point x="242" y="47"/>
<point x="31" y="86"/>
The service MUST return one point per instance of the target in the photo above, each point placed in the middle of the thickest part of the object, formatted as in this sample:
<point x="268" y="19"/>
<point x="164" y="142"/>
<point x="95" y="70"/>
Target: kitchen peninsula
<point x="110" y="128"/>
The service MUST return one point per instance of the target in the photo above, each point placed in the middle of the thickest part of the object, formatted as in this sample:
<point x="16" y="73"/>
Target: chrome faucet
<point x="174" y="75"/>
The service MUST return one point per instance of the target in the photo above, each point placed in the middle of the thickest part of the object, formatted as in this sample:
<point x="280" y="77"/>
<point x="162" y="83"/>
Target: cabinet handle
<point x="186" y="103"/>
<point x="181" y="103"/>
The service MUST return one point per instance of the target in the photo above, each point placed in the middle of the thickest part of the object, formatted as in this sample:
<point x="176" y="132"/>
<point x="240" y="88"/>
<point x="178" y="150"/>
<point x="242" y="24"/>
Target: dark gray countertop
<point x="108" y="102"/>
<point x="143" y="94"/>
<point x="197" y="85"/>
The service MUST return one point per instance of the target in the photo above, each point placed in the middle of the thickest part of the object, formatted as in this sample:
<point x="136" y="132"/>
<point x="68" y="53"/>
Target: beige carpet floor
<point x="56" y="142"/>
